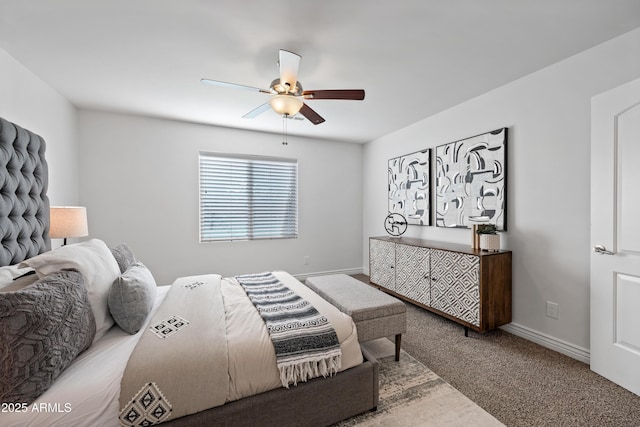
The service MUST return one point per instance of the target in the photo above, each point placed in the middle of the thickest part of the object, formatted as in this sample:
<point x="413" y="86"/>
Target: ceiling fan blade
<point x="311" y="115"/>
<point x="289" y="63"/>
<point x="232" y="85"/>
<point x="353" y="94"/>
<point x="257" y="111"/>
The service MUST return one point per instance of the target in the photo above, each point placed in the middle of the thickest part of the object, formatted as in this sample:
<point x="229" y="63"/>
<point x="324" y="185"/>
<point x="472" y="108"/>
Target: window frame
<point x="257" y="218"/>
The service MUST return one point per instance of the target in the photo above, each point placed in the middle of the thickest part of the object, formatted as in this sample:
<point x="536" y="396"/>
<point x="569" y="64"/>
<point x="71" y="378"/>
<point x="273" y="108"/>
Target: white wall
<point x="29" y="102"/>
<point x="548" y="116"/>
<point x="139" y="181"/>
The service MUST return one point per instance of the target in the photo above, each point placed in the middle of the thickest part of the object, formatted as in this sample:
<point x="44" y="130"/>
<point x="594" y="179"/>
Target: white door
<point x="615" y="235"/>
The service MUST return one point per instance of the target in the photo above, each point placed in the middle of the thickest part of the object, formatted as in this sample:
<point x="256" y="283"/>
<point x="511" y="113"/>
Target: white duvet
<point x="87" y="393"/>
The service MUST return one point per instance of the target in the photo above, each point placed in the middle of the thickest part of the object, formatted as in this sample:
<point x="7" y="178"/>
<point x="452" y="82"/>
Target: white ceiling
<point x="414" y="58"/>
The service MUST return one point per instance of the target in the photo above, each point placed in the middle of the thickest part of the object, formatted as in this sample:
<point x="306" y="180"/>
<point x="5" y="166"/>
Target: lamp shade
<point x="68" y="221"/>
<point x="285" y="104"/>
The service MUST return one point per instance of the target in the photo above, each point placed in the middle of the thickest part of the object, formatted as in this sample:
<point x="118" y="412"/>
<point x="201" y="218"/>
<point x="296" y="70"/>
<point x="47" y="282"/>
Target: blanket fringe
<point x="292" y="373"/>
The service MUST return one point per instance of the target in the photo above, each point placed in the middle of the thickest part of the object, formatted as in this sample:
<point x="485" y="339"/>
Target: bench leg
<point x="398" y="339"/>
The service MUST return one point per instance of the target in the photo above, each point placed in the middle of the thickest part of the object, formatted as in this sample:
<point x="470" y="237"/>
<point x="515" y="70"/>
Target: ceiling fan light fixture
<point x="285" y="104"/>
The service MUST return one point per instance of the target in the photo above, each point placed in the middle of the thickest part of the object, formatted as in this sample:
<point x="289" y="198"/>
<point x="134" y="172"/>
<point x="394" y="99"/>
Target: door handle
<point x="600" y="249"/>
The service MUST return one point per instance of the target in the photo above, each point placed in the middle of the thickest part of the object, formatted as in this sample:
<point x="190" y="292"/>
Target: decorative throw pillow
<point x="132" y="296"/>
<point x="124" y="256"/>
<point x="98" y="266"/>
<point x="43" y="328"/>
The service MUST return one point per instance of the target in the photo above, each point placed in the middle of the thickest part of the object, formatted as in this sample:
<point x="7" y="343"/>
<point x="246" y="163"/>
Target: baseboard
<point x="555" y="344"/>
<point x="302" y="277"/>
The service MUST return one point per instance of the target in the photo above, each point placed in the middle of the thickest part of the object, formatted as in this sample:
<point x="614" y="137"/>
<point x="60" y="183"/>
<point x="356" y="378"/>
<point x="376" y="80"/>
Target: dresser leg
<point x="466" y="331"/>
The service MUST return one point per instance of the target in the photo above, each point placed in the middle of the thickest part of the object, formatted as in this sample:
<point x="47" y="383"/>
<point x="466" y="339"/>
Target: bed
<point x="104" y="360"/>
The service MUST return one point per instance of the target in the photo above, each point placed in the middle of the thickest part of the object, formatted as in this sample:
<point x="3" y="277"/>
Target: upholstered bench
<point x="375" y="313"/>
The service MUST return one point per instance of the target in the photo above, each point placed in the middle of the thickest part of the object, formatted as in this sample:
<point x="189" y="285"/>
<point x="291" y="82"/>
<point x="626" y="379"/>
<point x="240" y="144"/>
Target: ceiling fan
<point x="287" y="93"/>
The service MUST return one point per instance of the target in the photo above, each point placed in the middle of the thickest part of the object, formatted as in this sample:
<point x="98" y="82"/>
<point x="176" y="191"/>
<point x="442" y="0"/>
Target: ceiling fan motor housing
<point x="278" y="88"/>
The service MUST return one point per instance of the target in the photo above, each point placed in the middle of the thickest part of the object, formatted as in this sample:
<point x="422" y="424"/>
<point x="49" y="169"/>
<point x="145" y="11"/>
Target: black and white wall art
<point x="471" y="181"/>
<point x="408" y="184"/>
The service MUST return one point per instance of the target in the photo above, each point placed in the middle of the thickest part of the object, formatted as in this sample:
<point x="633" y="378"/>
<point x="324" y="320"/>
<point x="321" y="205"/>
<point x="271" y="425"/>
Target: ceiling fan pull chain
<point x="284" y="130"/>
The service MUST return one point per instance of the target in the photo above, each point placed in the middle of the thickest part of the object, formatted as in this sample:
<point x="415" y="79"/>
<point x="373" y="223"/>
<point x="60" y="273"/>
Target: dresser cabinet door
<point x="382" y="266"/>
<point x="412" y="273"/>
<point x="455" y="285"/>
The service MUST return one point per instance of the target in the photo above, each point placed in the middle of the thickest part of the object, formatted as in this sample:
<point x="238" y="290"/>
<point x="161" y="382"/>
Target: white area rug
<point x="412" y="395"/>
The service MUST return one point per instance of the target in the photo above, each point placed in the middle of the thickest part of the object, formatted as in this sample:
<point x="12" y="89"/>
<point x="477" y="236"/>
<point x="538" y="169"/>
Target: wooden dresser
<point x="469" y="286"/>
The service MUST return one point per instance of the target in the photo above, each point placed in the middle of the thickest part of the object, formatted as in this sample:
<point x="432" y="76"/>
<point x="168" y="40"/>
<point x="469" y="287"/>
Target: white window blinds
<point x="247" y="198"/>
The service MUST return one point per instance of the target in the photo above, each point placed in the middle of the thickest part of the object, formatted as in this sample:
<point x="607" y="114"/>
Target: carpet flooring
<point x="412" y="395"/>
<point x="517" y="381"/>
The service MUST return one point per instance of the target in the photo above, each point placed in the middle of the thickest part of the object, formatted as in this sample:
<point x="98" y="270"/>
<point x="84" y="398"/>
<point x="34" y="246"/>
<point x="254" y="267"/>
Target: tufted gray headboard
<point x="24" y="205"/>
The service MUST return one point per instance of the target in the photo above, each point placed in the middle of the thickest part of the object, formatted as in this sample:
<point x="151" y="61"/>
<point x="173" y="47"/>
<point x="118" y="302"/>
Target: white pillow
<point x="10" y="272"/>
<point x="98" y="266"/>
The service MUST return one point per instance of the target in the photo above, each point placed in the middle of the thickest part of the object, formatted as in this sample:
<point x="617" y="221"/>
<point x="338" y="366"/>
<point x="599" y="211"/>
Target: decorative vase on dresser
<point x="490" y="242"/>
<point x="469" y="286"/>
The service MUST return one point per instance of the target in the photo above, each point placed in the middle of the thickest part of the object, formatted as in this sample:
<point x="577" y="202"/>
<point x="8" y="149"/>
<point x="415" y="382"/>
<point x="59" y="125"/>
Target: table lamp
<point x="68" y="221"/>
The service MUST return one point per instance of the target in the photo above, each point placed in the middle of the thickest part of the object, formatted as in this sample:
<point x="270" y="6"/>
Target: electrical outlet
<point x="306" y="260"/>
<point x="552" y="309"/>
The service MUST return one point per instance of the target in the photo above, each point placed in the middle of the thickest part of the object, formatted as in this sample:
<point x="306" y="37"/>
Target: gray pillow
<point x="43" y="328"/>
<point x="98" y="266"/>
<point x="132" y="296"/>
<point x="124" y="256"/>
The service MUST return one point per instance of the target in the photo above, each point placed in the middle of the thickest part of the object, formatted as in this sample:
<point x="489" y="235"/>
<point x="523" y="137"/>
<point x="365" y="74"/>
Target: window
<point x="247" y="197"/>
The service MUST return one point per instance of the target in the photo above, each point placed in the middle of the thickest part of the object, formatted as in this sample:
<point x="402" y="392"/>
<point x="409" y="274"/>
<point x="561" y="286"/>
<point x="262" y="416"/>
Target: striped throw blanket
<point x="305" y="343"/>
